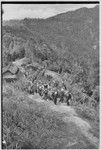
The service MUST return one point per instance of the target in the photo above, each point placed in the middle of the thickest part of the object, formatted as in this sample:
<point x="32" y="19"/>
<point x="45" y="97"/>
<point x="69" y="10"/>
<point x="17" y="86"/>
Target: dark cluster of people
<point x="49" y="92"/>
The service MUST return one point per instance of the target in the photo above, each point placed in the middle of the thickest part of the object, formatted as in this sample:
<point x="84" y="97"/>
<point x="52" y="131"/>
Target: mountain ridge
<point x="76" y="37"/>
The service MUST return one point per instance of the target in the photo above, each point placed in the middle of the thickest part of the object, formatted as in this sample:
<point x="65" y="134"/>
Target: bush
<point x="7" y="91"/>
<point x="77" y="97"/>
<point x="90" y="115"/>
<point x="96" y="94"/>
<point x="23" y="85"/>
<point x="86" y="112"/>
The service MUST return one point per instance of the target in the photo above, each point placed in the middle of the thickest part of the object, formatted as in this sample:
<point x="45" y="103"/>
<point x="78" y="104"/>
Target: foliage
<point x="63" y="44"/>
<point x="96" y="94"/>
<point x="7" y="91"/>
<point x="6" y="58"/>
<point x="31" y="125"/>
<point x="90" y="114"/>
<point x="87" y="112"/>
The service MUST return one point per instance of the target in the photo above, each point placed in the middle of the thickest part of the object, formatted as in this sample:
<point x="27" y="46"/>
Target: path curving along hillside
<point x="76" y="125"/>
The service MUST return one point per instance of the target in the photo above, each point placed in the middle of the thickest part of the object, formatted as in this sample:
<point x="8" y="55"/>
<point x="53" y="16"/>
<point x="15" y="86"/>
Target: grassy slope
<point x="29" y="124"/>
<point x="90" y="115"/>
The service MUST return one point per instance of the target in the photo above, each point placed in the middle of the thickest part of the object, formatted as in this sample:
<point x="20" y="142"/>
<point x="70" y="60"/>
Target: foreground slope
<point x="32" y="123"/>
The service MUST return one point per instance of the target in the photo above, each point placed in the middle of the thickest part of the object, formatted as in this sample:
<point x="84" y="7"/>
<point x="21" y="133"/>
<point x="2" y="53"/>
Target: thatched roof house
<point x="11" y="69"/>
<point x="10" y="78"/>
<point x="5" y="69"/>
<point x="14" y="69"/>
<point x="10" y="73"/>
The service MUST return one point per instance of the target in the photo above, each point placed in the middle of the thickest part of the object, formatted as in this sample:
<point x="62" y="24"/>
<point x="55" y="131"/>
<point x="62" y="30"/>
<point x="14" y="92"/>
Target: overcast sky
<point x="20" y="11"/>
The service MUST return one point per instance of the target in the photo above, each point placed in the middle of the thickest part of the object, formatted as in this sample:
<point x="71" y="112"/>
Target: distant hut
<point x="14" y="69"/>
<point x="10" y="78"/>
<point x="10" y="73"/>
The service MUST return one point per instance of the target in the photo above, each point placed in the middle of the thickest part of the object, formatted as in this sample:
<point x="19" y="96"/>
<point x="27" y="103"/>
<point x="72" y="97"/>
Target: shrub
<point x="7" y="91"/>
<point x="96" y="94"/>
<point x="91" y="115"/>
<point x="77" y="97"/>
<point x="86" y="112"/>
<point x="23" y="85"/>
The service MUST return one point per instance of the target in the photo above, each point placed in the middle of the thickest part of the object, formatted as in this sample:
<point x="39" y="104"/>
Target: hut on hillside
<point x="13" y="69"/>
<point x="10" y="73"/>
<point x="10" y="78"/>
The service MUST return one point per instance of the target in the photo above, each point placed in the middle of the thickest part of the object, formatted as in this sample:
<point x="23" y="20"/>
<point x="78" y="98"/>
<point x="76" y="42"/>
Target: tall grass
<point x="28" y="125"/>
<point x="91" y="115"/>
<point x="31" y="125"/>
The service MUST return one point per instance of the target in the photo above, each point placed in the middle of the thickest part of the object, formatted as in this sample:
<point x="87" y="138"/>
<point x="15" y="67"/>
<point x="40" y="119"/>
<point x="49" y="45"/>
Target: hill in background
<point x="67" y="42"/>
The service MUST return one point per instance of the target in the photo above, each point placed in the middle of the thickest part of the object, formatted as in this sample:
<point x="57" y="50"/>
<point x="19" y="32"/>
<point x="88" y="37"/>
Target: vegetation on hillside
<point x="31" y="125"/>
<point x="66" y="44"/>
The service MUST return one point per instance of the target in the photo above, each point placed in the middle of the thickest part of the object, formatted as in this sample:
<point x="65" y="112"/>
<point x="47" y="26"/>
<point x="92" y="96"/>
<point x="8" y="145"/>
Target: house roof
<point x="10" y="77"/>
<point x="10" y="68"/>
<point x="5" y="69"/>
<point x="8" y="72"/>
<point x="14" y="69"/>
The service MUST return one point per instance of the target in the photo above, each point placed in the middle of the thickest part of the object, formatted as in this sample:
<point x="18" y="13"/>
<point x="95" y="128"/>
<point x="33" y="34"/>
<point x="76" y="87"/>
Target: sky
<point x="21" y="11"/>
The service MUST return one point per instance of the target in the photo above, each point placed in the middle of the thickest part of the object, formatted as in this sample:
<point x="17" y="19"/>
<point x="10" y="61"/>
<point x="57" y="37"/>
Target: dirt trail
<point x="69" y="116"/>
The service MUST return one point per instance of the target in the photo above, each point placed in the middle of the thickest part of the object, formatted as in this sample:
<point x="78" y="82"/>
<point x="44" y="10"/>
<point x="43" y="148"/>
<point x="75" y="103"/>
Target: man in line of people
<point x="49" y="92"/>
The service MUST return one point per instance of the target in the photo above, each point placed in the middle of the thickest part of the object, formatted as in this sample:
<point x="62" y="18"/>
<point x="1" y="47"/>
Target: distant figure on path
<point x="62" y="95"/>
<point x="68" y="97"/>
<point x="55" y="96"/>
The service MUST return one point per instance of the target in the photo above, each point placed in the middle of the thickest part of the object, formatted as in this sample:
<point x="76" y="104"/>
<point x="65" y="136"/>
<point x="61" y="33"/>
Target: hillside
<point x="50" y="75"/>
<point x="63" y="40"/>
<point x="33" y="123"/>
<point x="74" y="32"/>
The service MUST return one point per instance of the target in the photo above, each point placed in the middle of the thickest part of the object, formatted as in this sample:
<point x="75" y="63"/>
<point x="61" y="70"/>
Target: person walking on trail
<point x="40" y="90"/>
<point x="45" y="91"/>
<point x="29" y="88"/>
<point x="55" y="96"/>
<point x="37" y="87"/>
<point x="50" y="94"/>
<point x="32" y="90"/>
<point x="45" y="94"/>
<point x="64" y="85"/>
<point x="61" y="95"/>
<point x="68" y="97"/>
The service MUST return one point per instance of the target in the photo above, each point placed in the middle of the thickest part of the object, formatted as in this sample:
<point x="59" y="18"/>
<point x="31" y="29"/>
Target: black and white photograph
<point x="50" y="75"/>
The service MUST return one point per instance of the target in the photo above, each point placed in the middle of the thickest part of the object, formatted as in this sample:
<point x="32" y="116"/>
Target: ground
<point x="73" y="121"/>
<point x="31" y="122"/>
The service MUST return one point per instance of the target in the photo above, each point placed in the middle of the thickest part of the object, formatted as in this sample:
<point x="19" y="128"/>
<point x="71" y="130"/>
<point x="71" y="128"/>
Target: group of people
<point x="49" y="92"/>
